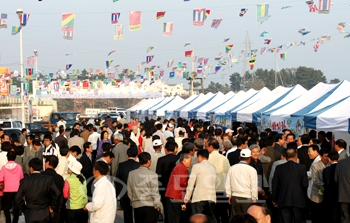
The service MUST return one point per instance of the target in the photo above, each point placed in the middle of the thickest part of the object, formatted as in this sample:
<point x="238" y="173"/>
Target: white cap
<point x="75" y="167"/>
<point x="170" y="125"/>
<point x="228" y="130"/>
<point x="157" y="142"/>
<point x="246" y="153"/>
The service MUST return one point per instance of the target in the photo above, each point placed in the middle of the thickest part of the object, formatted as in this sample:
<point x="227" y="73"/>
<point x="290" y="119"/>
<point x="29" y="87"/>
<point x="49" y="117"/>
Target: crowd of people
<point x="173" y="171"/>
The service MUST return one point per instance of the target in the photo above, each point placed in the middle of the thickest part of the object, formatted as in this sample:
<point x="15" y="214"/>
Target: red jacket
<point x="176" y="188"/>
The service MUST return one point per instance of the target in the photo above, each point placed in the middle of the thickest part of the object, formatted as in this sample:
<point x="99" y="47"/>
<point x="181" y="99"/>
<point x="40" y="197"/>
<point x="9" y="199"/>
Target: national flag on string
<point x="68" y="66"/>
<point x="29" y="72"/>
<point x="207" y="13"/>
<point x="217" y="58"/>
<point x="205" y="61"/>
<point x="185" y="75"/>
<point x="200" y="59"/>
<point x="170" y="63"/>
<point x="279" y="48"/>
<point x="198" y="16"/>
<point x="161" y="73"/>
<point x="172" y="75"/>
<point x="324" y="6"/>
<point x="228" y="48"/>
<point x="283" y="55"/>
<point x="138" y="68"/>
<point x="267" y="41"/>
<point x="251" y="64"/>
<point x="68" y="34"/>
<point x="263" y="34"/>
<point x="149" y="58"/>
<point x="188" y="53"/>
<point x="23" y="19"/>
<point x="160" y="15"/>
<point x="199" y="69"/>
<point x="115" y="17"/>
<point x="243" y="12"/>
<point x="16" y="29"/>
<point x="168" y="28"/>
<point x="109" y="63"/>
<point x="3" y="20"/>
<point x="313" y="8"/>
<point x="217" y="68"/>
<point x="263" y="50"/>
<point x="30" y="61"/>
<point x="112" y="51"/>
<point x="149" y="49"/>
<point x="225" y="40"/>
<point x="216" y="23"/>
<point x="134" y="20"/>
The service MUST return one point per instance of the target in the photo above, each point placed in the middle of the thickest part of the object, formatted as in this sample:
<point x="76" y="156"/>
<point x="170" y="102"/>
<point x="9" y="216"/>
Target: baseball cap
<point x="245" y="153"/>
<point x="228" y="130"/>
<point x="170" y="125"/>
<point x="75" y="167"/>
<point x="157" y="142"/>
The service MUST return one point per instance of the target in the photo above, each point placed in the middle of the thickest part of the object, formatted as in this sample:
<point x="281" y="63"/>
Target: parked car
<point x="36" y="129"/>
<point x="70" y="117"/>
<point x="9" y="132"/>
<point x="11" y="123"/>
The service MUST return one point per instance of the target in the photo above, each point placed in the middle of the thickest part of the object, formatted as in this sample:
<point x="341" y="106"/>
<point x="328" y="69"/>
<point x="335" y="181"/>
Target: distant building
<point x="176" y="90"/>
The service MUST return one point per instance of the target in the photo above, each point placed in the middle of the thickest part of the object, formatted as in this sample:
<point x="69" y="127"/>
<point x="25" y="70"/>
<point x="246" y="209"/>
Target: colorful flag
<point x="149" y="58"/>
<point x="207" y="13"/>
<point x="109" y="63"/>
<point x="112" y="51"/>
<point x="134" y="20"/>
<point x="149" y="49"/>
<point x="267" y="41"/>
<point x="205" y="61"/>
<point x="200" y="59"/>
<point x="313" y="8"/>
<point x="316" y="46"/>
<point x="16" y="29"/>
<point x="217" y="68"/>
<point x="115" y="17"/>
<point x="228" y="48"/>
<point x="216" y="23"/>
<point x="30" y="61"/>
<point x="262" y="12"/>
<point x="172" y="75"/>
<point x="170" y="63"/>
<point x="188" y="53"/>
<point x="243" y="12"/>
<point x="160" y="15"/>
<point x="251" y="64"/>
<point x="150" y="73"/>
<point x="324" y="6"/>
<point x="168" y="29"/>
<point x="68" y="25"/>
<point x="118" y="32"/>
<point x="186" y="75"/>
<point x="29" y="72"/>
<point x="340" y="26"/>
<point x="3" y="20"/>
<point x="305" y="33"/>
<point x="279" y="48"/>
<point x="68" y="66"/>
<point x="283" y="55"/>
<point x="23" y="19"/>
<point x="198" y="16"/>
<point x="263" y="50"/>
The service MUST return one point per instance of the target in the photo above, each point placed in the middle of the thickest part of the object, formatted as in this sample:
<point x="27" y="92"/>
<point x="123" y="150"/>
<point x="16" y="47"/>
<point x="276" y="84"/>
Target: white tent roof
<point x="185" y="102"/>
<point x="150" y="104"/>
<point x="174" y="103"/>
<point x="277" y="97"/>
<point x="133" y="108"/>
<point x="165" y="101"/>
<point x="219" y="99"/>
<point x="183" y="113"/>
<point x="237" y="99"/>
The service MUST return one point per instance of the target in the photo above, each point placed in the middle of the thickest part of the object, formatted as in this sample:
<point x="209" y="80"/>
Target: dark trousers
<point x="332" y="212"/>
<point x="146" y="215"/>
<point x="292" y="215"/>
<point x="317" y="212"/>
<point x="175" y="213"/>
<point x="222" y="208"/>
<point x="127" y="209"/>
<point x="346" y="211"/>
<point x="9" y="201"/>
<point x="239" y="205"/>
<point x="77" y="216"/>
<point x="205" y="207"/>
<point x="55" y="217"/>
<point x="38" y="221"/>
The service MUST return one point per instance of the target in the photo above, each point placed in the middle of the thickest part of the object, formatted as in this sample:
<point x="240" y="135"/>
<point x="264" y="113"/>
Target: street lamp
<point x="19" y="12"/>
<point x="36" y="53"/>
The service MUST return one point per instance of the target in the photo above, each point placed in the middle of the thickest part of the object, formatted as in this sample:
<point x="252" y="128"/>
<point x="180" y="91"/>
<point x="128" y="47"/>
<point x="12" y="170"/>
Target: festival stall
<point x="201" y="100"/>
<point x="170" y="112"/>
<point x="160" y="112"/>
<point x="150" y="110"/>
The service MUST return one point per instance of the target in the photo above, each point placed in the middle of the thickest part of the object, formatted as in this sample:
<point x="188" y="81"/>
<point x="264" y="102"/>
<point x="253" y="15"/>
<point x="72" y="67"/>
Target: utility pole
<point x="246" y="68"/>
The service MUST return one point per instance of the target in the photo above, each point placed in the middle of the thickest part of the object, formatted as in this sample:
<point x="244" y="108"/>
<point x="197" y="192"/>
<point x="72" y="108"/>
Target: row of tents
<point x="324" y="107"/>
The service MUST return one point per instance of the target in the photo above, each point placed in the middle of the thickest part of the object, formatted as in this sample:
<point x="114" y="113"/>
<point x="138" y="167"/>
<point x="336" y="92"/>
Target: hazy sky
<point x="93" y="37"/>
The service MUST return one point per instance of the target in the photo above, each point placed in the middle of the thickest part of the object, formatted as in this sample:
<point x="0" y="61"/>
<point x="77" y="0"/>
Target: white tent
<point x="276" y="98"/>
<point x="200" y="101"/>
<point x="218" y="100"/>
<point x="130" y="112"/>
<point x="165" y="101"/>
<point x="170" y="111"/>
<point x="173" y="104"/>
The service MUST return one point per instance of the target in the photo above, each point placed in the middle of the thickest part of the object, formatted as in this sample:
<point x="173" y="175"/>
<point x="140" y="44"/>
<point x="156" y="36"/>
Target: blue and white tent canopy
<point x="151" y="103"/>
<point x="177" y="101"/>
<point x="219" y="99"/>
<point x="276" y="98"/>
<point x="335" y="117"/>
<point x="170" y="112"/>
<point x="154" y="108"/>
<point x="200" y="101"/>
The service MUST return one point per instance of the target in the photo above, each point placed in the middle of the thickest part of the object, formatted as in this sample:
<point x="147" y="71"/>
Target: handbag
<point x="2" y="186"/>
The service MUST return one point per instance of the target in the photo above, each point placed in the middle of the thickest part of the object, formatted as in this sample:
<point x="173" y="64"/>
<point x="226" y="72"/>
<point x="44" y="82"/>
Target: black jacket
<point x="289" y="185"/>
<point x="165" y="166"/>
<point x="278" y="147"/>
<point x="87" y="165"/>
<point x="304" y="157"/>
<point x="234" y="157"/>
<point x="330" y="186"/>
<point x="123" y="171"/>
<point x="39" y="192"/>
<point x="59" y="182"/>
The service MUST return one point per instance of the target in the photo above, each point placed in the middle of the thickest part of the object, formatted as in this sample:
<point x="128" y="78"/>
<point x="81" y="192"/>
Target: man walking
<point x="342" y="176"/>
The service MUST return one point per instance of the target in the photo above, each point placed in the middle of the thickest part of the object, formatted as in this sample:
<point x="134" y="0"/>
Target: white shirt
<point x="62" y="167"/>
<point x="231" y="150"/>
<point x="59" y="123"/>
<point x="222" y="166"/>
<point x="3" y="158"/>
<point x="93" y="139"/>
<point x="91" y="121"/>
<point x="242" y="181"/>
<point x="340" y="151"/>
<point x="154" y="157"/>
<point x="168" y="134"/>
<point x="104" y="203"/>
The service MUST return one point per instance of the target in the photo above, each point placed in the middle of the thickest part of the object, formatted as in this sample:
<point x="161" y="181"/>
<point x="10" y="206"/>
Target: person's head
<point x="202" y="155"/>
<point x="132" y="152"/>
<point x="159" y="126"/>
<point x="142" y="132"/>
<point x="188" y="148"/>
<point x="241" y="143"/>
<point x="75" y="167"/>
<point x="186" y="159"/>
<point x="24" y="131"/>
<point x="106" y="147"/>
<point x="171" y="147"/>
<point x="313" y="141"/>
<point x="218" y="132"/>
<point x="213" y="144"/>
<point x="280" y="139"/>
<point x="245" y="155"/>
<point x="30" y="139"/>
<point x="145" y="159"/>
<point x="261" y="212"/>
<point x="19" y="150"/>
<point x="329" y="135"/>
<point x="227" y="145"/>
<point x="76" y="126"/>
<point x="199" y="218"/>
<point x="51" y="162"/>
<point x="108" y="157"/>
<point x="36" y="144"/>
<point x="170" y="127"/>
<point x="75" y="151"/>
<point x="75" y="132"/>
<point x="270" y="141"/>
<point x="321" y="136"/>
<point x="292" y="145"/>
<point x="285" y="133"/>
<point x="64" y="150"/>
<point x="339" y="145"/>
<point x="324" y="155"/>
<point x="333" y="156"/>
<point x="104" y="128"/>
<point x="313" y="151"/>
<point x="100" y="169"/>
<point x="61" y="132"/>
<point x="35" y="164"/>
<point x="283" y="154"/>
<point x="290" y="138"/>
<point x="243" y="218"/>
<point x="87" y="147"/>
<point x="198" y="144"/>
<point x="292" y="154"/>
<point x="135" y="130"/>
<point x="47" y="140"/>
<point x="118" y="138"/>
<point x="104" y="135"/>
<point x="255" y="150"/>
<point x="157" y="145"/>
<point x="5" y="138"/>
<point x="11" y="155"/>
